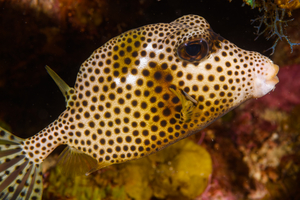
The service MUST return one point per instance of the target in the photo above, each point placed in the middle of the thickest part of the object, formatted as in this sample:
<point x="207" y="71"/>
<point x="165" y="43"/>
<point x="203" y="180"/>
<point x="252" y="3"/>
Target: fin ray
<point x="71" y="157"/>
<point x="64" y="88"/>
<point x="8" y="164"/>
<point x="11" y="177"/>
<point x="7" y="136"/>
<point x="20" y="178"/>
<point x="20" y="187"/>
<point x="188" y="104"/>
<point x="9" y="152"/>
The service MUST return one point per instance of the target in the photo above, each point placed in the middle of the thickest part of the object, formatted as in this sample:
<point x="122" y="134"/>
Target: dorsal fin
<point x="66" y="90"/>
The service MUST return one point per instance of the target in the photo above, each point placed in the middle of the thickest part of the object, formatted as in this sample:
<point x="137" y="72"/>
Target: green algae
<point x="180" y="171"/>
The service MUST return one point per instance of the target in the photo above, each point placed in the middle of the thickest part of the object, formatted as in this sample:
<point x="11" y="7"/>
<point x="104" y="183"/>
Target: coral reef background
<point x="251" y="153"/>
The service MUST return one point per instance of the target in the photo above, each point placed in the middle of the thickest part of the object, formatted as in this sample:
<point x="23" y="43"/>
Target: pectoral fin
<point x="188" y="104"/>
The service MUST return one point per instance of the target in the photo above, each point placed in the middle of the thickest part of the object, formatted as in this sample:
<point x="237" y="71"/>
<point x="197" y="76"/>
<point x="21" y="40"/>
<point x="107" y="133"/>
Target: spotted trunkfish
<point x="135" y="95"/>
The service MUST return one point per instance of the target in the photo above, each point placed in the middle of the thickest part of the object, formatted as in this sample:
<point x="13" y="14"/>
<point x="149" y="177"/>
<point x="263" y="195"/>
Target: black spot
<point x="86" y="115"/>
<point x="195" y="88"/>
<point x="157" y="75"/>
<point x="116" y="65"/>
<point x="141" y="148"/>
<point x="153" y="137"/>
<point x="168" y="78"/>
<point x="158" y="89"/>
<point x="222" y="78"/>
<point x="121" y="101"/>
<point x="162" y="134"/>
<point x="154" y="128"/>
<point x="136" y="114"/>
<point x="152" y="55"/>
<point x="115" y="57"/>
<point x="153" y="99"/>
<point x="134" y="71"/>
<point x="146" y="93"/>
<point x="106" y="70"/>
<point x="95" y="88"/>
<point x="102" y="141"/>
<point x="134" y="54"/>
<point x="107" y="115"/>
<point x="179" y="74"/>
<point x="211" y="77"/>
<point x="143" y="53"/>
<point x="152" y="64"/>
<point x="128" y="139"/>
<point x="125" y="129"/>
<point x="108" y="133"/>
<point x="145" y="72"/>
<point x="189" y="76"/>
<point x="145" y="132"/>
<point x="121" y="53"/>
<point x="135" y="133"/>
<point x="129" y="49"/>
<point x="92" y="124"/>
<point x="140" y="82"/>
<point x="208" y="66"/>
<point x="138" y="140"/>
<point x="116" y="48"/>
<point x="166" y="112"/>
<point x="111" y="142"/>
<point x="137" y="43"/>
<point x="164" y="66"/>
<point x="205" y="88"/>
<point x="150" y="83"/>
<point x="143" y="105"/>
<point x="124" y="70"/>
<point x="118" y="149"/>
<point x="127" y="61"/>
<point x="137" y="92"/>
<point x="146" y="142"/>
<point x="132" y="148"/>
<point x="175" y="100"/>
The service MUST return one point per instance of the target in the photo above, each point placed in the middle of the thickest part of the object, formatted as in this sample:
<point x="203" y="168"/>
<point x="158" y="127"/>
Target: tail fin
<point x="20" y="178"/>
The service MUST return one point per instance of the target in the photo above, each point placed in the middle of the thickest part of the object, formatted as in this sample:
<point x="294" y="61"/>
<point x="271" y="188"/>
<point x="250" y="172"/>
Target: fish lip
<point x="273" y="79"/>
<point x="265" y="84"/>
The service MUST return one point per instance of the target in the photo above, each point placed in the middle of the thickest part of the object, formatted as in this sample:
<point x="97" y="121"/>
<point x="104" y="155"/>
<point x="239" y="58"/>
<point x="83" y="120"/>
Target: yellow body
<point x="139" y="93"/>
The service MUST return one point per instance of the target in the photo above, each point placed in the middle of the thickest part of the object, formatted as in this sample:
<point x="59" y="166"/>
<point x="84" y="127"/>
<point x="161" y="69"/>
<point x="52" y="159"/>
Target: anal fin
<point x="74" y="162"/>
<point x="98" y="167"/>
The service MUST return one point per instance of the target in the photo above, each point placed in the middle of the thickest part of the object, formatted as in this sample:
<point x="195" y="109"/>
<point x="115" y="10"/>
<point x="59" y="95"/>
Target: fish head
<point x="218" y="67"/>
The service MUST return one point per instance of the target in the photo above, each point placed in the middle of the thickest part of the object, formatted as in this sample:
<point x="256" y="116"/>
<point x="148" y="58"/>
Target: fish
<point x="137" y="94"/>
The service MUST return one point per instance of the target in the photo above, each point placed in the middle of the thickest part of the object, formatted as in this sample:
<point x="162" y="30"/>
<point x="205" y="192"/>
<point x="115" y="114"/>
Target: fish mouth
<point x="264" y="84"/>
<point x="272" y="78"/>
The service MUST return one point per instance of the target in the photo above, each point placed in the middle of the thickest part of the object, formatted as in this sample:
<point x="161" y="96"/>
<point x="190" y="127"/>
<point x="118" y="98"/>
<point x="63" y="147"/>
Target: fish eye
<point x="194" y="50"/>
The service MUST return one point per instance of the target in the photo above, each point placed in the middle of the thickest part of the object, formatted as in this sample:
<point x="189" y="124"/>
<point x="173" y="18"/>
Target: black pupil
<point x="193" y="49"/>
